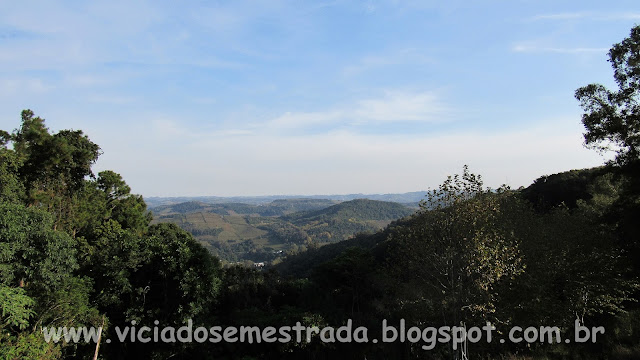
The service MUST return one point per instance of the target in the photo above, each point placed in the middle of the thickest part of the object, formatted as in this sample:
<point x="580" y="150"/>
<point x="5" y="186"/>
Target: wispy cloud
<point x="9" y="33"/>
<point x="402" y="106"/>
<point x="394" y="106"/>
<point x="88" y="80"/>
<point x="111" y="99"/>
<point x="560" y="50"/>
<point x="401" y="57"/>
<point x="306" y="119"/>
<point x="560" y="16"/>
<point x="100" y="34"/>
<point x="26" y="86"/>
<point x="588" y="16"/>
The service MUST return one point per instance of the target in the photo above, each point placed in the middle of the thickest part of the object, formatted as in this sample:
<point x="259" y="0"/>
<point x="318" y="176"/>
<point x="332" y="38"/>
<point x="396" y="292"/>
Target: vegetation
<point x="79" y="249"/>
<point x="268" y="232"/>
<point x="277" y="207"/>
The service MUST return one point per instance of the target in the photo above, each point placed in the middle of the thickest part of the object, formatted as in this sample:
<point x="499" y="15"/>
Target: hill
<point x="266" y="232"/>
<point x="358" y="209"/>
<point x="566" y="189"/>
<point x="342" y="221"/>
<point x="274" y="208"/>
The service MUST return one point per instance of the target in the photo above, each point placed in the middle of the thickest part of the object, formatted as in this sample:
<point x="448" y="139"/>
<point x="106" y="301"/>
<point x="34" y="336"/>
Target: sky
<point x="228" y="98"/>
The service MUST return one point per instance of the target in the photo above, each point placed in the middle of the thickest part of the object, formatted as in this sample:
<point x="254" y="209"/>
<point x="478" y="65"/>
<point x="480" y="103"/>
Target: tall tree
<point x="612" y="118"/>
<point x="454" y="254"/>
<point x="612" y="122"/>
<point x="52" y="167"/>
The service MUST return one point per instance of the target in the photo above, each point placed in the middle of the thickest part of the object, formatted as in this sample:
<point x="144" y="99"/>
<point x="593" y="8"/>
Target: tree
<point x="612" y="118"/>
<point x="612" y="121"/>
<point x="51" y="167"/>
<point x="129" y="210"/>
<point x="164" y="275"/>
<point x="77" y="250"/>
<point x="455" y="253"/>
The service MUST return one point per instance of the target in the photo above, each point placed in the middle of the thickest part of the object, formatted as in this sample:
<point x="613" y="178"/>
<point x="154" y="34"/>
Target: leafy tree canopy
<point x="612" y="118"/>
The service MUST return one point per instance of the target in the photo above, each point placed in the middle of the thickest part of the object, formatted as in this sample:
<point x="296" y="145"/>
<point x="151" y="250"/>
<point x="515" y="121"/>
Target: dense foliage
<point x="76" y="249"/>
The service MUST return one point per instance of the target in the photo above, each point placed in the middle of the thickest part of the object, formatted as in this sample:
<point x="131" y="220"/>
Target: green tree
<point x="612" y="118"/>
<point x="164" y="275"/>
<point x="449" y="262"/>
<point x="612" y="122"/>
<point x="129" y="210"/>
<point x="75" y="247"/>
<point x="52" y="167"/>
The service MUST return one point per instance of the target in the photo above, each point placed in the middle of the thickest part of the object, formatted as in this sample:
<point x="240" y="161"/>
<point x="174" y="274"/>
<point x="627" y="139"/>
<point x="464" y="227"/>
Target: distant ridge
<point x="275" y="208"/>
<point x="358" y="209"/>
<point x="403" y="198"/>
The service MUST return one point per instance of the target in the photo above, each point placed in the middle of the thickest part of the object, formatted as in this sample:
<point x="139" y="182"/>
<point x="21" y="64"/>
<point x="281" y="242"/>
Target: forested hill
<point x="268" y="232"/>
<point x="565" y="245"/>
<point x="359" y="209"/>
<point x="274" y="208"/>
<point x="573" y="189"/>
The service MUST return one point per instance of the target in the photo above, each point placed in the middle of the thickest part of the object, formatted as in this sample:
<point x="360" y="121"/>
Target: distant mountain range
<point x="405" y="198"/>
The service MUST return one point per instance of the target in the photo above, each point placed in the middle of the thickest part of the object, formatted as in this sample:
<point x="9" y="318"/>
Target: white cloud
<point x="589" y="16"/>
<point x="560" y="16"/>
<point x="301" y="120"/>
<point x="26" y="86"/>
<point x="403" y="57"/>
<point x="523" y="48"/>
<point x="393" y="106"/>
<point x="111" y="99"/>
<point x="68" y="38"/>
<point x="204" y="100"/>
<point x="402" y="106"/>
<point x="89" y="80"/>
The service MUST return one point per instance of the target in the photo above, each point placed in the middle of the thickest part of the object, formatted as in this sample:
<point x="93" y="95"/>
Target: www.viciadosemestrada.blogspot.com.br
<point x="429" y="336"/>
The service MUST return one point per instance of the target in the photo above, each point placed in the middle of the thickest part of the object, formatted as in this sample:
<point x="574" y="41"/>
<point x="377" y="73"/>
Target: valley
<point x="257" y="233"/>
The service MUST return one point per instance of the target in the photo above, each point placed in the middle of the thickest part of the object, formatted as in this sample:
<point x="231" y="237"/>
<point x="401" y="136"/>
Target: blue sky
<point x="312" y="97"/>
